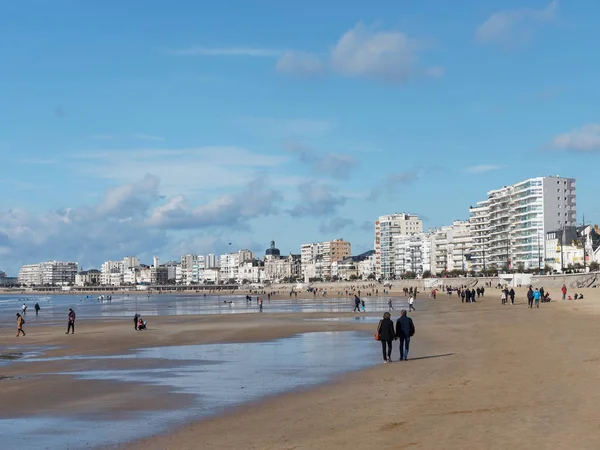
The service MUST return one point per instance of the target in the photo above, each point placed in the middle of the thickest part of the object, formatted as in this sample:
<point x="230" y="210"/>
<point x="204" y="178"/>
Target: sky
<point x="163" y="128"/>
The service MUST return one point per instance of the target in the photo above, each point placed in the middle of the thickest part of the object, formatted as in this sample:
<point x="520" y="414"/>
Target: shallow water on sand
<point x="54" y="308"/>
<point x="217" y="376"/>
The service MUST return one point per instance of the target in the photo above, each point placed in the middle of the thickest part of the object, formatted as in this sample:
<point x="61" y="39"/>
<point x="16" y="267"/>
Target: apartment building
<point x="130" y="262"/>
<point x="512" y="223"/>
<point x="48" y="273"/>
<point x="413" y="254"/>
<point x="386" y="229"/>
<point x="317" y="258"/>
<point x="111" y="273"/>
<point x="230" y="264"/>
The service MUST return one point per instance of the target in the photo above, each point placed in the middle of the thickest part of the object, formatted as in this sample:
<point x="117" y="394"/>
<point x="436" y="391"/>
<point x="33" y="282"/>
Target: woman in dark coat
<point x="386" y="336"/>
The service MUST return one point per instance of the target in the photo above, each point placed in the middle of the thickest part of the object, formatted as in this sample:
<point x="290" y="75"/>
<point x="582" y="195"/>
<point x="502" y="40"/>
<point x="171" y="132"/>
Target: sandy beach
<point x="481" y="375"/>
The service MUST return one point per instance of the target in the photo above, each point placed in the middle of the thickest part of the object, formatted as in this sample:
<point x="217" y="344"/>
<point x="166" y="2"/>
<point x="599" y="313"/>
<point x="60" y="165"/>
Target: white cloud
<point x="300" y="63"/>
<point x="227" y="51"/>
<point x="516" y="26"/>
<point x="133" y="218"/>
<point x="365" y="51"/>
<point x="583" y="140"/>
<point x="481" y="168"/>
<point x="231" y="210"/>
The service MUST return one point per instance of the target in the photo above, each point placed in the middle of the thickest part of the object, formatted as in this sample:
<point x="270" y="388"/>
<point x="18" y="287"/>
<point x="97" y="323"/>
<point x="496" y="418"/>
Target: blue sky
<point x="155" y="127"/>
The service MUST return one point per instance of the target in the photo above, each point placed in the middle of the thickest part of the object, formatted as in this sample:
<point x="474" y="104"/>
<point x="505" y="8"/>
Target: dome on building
<point x="273" y="251"/>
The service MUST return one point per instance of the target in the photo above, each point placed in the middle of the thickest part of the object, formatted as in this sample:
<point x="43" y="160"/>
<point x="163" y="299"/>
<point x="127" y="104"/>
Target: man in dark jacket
<point x="530" y="297"/>
<point x="405" y="329"/>
<point x="71" y="326"/>
<point x="511" y="294"/>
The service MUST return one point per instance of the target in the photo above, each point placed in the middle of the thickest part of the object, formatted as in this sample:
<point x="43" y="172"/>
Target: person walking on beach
<point x="20" y="323"/>
<point x="362" y="302"/>
<point x="260" y="304"/>
<point x="411" y="303"/>
<point x="385" y="333"/>
<point x="37" y="308"/>
<point x="530" y="296"/>
<point x="511" y="294"/>
<point x="24" y="309"/>
<point x="356" y="304"/>
<point x="390" y="306"/>
<point x="536" y="297"/>
<point x="405" y="329"/>
<point x="71" y="326"/>
<point x="564" y="291"/>
<point x="135" y="321"/>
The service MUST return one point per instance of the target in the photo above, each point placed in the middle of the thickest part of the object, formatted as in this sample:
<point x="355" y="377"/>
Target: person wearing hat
<point x="71" y="326"/>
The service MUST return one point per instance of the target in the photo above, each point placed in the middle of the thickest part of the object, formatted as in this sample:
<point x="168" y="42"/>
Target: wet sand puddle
<point x="216" y="376"/>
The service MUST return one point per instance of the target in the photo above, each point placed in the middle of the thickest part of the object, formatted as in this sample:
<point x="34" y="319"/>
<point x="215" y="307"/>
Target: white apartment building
<point x="230" y="264"/>
<point x="512" y="223"/>
<point x="413" y="254"/>
<point x="49" y="272"/>
<point x="452" y="248"/>
<point x="191" y="266"/>
<point x="130" y="262"/>
<point x="108" y="273"/>
<point x="386" y="229"/>
<point x="311" y="260"/>
<point x="211" y="261"/>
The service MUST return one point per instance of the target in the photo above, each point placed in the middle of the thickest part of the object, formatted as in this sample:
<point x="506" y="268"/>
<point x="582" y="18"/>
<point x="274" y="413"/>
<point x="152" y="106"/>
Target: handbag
<point x="377" y="336"/>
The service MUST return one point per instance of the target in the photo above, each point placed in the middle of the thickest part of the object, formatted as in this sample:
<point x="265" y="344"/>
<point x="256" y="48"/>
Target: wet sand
<point x="499" y="377"/>
<point x="481" y="376"/>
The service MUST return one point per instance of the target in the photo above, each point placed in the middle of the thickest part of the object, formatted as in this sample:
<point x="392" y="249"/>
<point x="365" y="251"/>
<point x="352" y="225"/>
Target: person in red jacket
<point x="564" y="291"/>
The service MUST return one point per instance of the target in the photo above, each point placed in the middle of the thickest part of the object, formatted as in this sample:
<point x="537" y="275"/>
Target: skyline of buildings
<point x="508" y="230"/>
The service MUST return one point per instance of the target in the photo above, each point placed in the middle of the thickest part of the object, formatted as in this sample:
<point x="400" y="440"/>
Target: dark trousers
<point x="411" y="308"/>
<point x="386" y="348"/>
<point x="357" y="308"/>
<point x="71" y="327"/>
<point x="404" y="346"/>
<point x="530" y="302"/>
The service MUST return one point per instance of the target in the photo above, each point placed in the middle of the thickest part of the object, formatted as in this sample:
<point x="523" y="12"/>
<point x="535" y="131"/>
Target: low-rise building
<point x="90" y="277"/>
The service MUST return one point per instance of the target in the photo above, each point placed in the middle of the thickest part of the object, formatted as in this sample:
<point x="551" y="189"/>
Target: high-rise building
<point x="386" y="228"/>
<point x="509" y="228"/>
<point x="211" y="261"/>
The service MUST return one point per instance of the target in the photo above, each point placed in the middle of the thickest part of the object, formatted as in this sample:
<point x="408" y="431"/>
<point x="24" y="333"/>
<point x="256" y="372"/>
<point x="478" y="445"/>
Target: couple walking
<point x="405" y="329"/>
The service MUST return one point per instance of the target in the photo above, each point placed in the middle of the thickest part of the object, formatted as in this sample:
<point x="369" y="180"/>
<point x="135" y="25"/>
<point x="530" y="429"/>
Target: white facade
<point x="251" y="271"/>
<point x="108" y="270"/>
<point x="413" y="254"/>
<point x="514" y="220"/>
<point x="191" y="266"/>
<point x="130" y="262"/>
<point x="211" y="261"/>
<point x="49" y="272"/>
<point x="386" y="229"/>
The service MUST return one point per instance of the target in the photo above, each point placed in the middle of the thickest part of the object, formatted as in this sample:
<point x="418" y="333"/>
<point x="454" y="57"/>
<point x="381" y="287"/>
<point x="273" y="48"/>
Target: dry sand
<point x="483" y="376"/>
